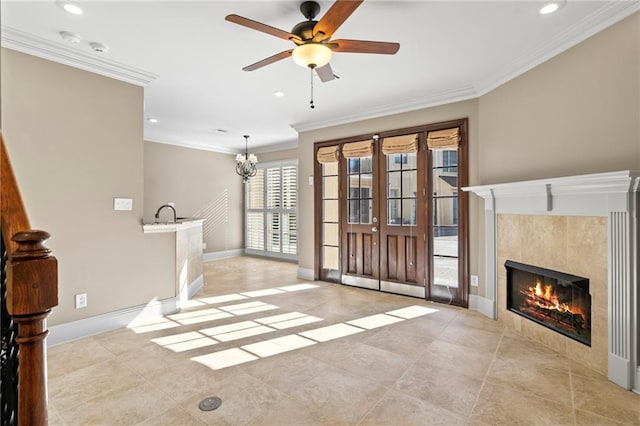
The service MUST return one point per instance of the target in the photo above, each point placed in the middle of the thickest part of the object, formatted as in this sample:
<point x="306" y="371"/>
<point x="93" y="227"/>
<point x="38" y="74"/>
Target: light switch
<point x="123" y="204"/>
<point x="474" y="281"/>
<point x="311" y="180"/>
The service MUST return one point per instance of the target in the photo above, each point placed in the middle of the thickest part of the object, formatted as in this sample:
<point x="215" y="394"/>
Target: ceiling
<point x="190" y="59"/>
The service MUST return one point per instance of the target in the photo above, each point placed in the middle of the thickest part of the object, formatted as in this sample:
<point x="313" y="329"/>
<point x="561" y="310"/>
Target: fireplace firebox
<point x="553" y="299"/>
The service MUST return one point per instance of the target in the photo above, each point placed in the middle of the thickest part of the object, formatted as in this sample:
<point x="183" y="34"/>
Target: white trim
<point x="603" y="17"/>
<point x="361" y="282"/>
<point x="483" y="305"/>
<point x="305" y="274"/>
<point x="433" y="100"/>
<point x="281" y="146"/>
<point x="88" y="61"/>
<point x="217" y="255"/>
<point x="195" y="286"/>
<point x="404" y="289"/>
<point x="153" y="228"/>
<point x="190" y="145"/>
<point x="91" y="326"/>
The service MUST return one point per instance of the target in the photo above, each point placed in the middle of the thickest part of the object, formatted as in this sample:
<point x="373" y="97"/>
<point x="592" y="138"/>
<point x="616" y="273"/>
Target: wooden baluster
<point x="32" y="272"/>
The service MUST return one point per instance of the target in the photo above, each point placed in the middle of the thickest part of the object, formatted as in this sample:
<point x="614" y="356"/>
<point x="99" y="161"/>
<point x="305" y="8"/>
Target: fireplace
<point x="553" y="299"/>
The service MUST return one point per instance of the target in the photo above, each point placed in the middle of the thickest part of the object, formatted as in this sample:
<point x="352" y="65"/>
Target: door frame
<point x="463" y="204"/>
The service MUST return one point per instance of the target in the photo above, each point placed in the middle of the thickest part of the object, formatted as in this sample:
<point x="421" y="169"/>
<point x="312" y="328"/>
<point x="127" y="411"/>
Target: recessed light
<point x="278" y="94"/>
<point x="222" y="131"/>
<point x="70" y="7"/>
<point x="152" y="120"/>
<point x="70" y="37"/>
<point x="551" y="6"/>
<point x="99" y="47"/>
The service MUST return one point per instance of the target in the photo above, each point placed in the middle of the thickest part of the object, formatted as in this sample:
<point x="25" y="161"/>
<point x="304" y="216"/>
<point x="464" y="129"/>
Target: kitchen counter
<point x="189" y="276"/>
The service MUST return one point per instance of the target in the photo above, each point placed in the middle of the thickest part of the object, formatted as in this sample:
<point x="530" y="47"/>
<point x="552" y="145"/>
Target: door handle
<point x="374" y="229"/>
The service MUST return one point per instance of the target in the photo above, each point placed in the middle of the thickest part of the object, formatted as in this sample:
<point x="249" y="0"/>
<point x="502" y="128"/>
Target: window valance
<point x="444" y="139"/>
<point x="405" y="144"/>
<point x="327" y="154"/>
<point x="357" y="149"/>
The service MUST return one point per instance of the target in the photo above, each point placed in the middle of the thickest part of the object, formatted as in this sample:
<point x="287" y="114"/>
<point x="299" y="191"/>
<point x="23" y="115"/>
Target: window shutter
<point x="357" y="149"/>
<point x="255" y="191"/>
<point x="405" y="144"/>
<point x="289" y="187"/>
<point x="444" y="139"/>
<point x="273" y="188"/>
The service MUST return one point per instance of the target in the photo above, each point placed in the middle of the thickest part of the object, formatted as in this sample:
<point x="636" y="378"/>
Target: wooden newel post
<point x="33" y="274"/>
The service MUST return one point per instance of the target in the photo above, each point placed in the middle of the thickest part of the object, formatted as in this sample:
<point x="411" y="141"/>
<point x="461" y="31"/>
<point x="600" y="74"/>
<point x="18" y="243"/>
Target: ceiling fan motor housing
<point x="304" y="30"/>
<point x="310" y="9"/>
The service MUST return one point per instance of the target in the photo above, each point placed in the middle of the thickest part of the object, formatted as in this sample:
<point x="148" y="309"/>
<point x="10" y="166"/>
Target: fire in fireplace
<point x="553" y="299"/>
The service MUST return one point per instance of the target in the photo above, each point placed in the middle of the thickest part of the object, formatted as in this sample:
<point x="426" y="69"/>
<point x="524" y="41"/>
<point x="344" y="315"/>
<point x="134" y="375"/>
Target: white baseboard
<point x="482" y="305"/>
<point x="305" y="274"/>
<point x="195" y="286"/>
<point x="217" y="255"/>
<point x="91" y="326"/>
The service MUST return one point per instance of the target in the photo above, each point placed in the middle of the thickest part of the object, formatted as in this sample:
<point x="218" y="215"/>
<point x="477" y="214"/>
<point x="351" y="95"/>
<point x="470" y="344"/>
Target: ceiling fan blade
<point x="271" y="59"/>
<point x="364" y="46"/>
<point x="259" y="26"/>
<point x="335" y="16"/>
<point x="325" y="73"/>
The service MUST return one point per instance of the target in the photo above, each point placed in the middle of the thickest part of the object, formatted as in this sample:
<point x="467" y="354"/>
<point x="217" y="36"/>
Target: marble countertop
<point x="180" y="224"/>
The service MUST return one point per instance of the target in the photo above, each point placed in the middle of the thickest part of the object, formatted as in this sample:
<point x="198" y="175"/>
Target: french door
<point x="392" y="217"/>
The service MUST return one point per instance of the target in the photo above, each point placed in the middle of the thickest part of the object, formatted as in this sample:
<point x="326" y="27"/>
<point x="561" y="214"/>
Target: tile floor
<point x="282" y="351"/>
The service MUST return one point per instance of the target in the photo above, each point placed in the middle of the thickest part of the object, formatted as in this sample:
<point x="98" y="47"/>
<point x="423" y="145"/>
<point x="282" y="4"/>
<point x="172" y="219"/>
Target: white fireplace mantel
<point x="613" y="195"/>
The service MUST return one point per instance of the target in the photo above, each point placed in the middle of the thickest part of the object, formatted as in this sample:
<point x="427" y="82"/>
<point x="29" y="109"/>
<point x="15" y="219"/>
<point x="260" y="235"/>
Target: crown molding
<point x="201" y="147"/>
<point x="37" y="46"/>
<point x="460" y="94"/>
<point x="280" y="146"/>
<point x="603" y="17"/>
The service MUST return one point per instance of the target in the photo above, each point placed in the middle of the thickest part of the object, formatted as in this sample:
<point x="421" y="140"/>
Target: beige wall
<point x="202" y="184"/>
<point x="75" y="140"/>
<point x="576" y="113"/>
<point x="285" y="154"/>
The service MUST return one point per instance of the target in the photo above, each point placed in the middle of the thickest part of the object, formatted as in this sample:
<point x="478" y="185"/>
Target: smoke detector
<point x="70" y="37"/>
<point x="99" y="47"/>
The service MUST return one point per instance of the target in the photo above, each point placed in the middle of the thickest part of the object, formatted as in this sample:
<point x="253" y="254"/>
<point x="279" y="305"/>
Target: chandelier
<point x="246" y="164"/>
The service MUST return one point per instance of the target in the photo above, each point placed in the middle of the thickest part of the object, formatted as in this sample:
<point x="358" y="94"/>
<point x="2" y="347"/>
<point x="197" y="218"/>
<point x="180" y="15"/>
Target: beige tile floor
<point x="324" y="354"/>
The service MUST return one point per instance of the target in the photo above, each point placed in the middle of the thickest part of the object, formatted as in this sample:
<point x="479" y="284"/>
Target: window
<point x="271" y="210"/>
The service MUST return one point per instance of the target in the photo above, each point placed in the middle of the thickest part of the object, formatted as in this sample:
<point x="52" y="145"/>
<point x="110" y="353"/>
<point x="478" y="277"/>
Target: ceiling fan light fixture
<point x="312" y="55"/>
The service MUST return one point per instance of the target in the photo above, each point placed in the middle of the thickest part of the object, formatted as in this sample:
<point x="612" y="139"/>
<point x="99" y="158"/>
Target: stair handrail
<point x="31" y="292"/>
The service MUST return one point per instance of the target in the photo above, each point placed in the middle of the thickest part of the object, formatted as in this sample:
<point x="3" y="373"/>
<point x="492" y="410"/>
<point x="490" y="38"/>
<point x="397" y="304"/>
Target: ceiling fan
<point x="313" y="38"/>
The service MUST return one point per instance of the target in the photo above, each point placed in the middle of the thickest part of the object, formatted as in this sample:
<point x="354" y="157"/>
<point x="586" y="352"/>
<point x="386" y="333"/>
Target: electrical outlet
<point x="474" y="281"/>
<point x="81" y="300"/>
<point x="204" y="246"/>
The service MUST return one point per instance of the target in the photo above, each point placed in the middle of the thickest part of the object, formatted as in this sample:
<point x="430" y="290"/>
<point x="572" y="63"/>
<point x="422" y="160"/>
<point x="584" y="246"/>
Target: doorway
<point x="392" y="217"/>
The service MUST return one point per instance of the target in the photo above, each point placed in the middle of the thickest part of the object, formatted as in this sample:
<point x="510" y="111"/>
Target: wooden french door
<point x="393" y="216"/>
<point x="383" y="222"/>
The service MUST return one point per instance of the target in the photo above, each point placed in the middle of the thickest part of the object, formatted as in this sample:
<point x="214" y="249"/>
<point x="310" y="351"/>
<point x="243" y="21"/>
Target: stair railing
<point x="29" y="291"/>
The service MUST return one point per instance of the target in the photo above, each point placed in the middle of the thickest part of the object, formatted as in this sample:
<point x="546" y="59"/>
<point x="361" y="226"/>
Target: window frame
<point x="267" y="212"/>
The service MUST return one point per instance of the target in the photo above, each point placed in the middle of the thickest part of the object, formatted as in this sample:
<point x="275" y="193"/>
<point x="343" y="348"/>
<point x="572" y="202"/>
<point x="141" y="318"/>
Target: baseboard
<point x="217" y="255"/>
<point x="636" y="388"/>
<point x="195" y="286"/>
<point x="482" y="305"/>
<point x="305" y="274"/>
<point x="91" y="326"/>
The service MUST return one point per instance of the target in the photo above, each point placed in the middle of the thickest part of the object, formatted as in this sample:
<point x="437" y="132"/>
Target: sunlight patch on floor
<point x="224" y="359"/>
<point x="278" y="345"/>
<point x="375" y="321"/>
<point x="412" y="312"/>
<point x="324" y="334"/>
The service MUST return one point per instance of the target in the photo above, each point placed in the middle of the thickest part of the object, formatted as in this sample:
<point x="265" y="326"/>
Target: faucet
<point x="171" y="207"/>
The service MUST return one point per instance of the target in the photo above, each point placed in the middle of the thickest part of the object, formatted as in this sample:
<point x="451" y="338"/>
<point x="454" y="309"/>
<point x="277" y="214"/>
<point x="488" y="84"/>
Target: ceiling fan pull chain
<point x="312" y="106"/>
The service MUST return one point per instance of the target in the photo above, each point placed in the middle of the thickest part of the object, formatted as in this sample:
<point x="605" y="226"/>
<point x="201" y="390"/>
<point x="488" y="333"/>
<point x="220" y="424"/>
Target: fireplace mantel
<point x="613" y="195"/>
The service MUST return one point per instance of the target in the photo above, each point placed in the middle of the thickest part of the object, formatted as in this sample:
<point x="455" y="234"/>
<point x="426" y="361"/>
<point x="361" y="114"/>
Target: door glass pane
<point x="329" y="169"/>
<point x="354" y="211"/>
<point x="394" y="212"/>
<point x="366" y="185"/>
<point x="354" y="165"/>
<point x="330" y="210"/>
<point x="444" y="182"/>
<point x="393" y="184"/>
<point x="445" y="241"/>
<point x="330" y="234"/>
<point x="445" y="271"/>
<point x="445" y="211"/>
<point x="354" y="186"/>
<point x="366" y="165"/>
<point x="409" y="212"/>
<point x="330" y="258"/>
<point x="330" y="187"/>
<point x="394" y="162"/>
<point x="365" y="210"/>
<point x="409" y="183"/>
<point x="410" y="161"/>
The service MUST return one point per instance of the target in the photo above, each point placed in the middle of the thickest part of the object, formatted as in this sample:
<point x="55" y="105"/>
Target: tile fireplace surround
<point x="586" y="207"/>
